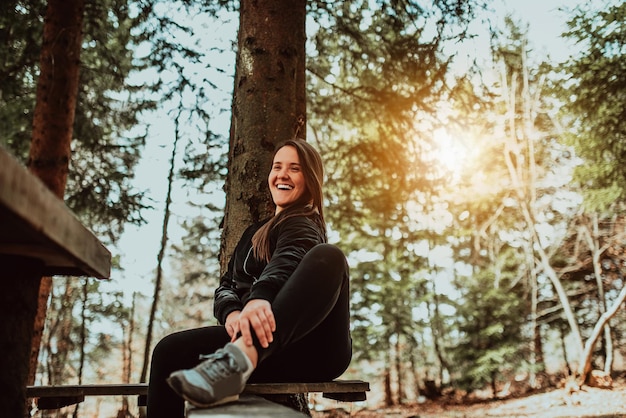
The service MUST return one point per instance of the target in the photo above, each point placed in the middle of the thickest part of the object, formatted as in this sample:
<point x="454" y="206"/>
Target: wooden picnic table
<point x="39" y="236"/>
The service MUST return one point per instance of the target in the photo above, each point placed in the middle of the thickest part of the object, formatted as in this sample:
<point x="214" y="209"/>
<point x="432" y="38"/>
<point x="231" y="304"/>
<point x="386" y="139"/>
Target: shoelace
<point x="217" y="366"/>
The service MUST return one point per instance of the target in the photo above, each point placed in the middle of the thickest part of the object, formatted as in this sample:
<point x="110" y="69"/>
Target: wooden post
<point x="20" y="278"/>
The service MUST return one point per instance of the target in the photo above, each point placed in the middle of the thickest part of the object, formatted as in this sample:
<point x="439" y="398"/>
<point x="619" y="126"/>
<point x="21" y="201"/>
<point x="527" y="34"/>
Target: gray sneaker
<point x="220" y="378"/>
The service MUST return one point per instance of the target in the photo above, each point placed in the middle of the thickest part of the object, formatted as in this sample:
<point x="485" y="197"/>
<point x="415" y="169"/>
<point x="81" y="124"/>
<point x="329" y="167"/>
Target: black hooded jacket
<point x="249" y="278"/>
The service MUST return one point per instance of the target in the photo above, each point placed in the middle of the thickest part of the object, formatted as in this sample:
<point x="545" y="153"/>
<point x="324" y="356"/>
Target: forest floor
<point x="587" y="402"/>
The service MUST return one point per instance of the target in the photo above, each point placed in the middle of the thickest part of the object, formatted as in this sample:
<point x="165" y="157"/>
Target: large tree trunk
<point x="57" y="90"/>
<point x="268" y="107"/>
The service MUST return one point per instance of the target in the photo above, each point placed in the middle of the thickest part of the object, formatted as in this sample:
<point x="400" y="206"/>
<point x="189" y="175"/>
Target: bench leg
<point x="18" y="307"/>
<point x="58" y="402"/>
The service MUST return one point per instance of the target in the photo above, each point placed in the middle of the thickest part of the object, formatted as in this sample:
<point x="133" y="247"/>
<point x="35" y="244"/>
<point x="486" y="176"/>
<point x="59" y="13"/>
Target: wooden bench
<point x="39" y="236"/>
<point x="54" y="397"/>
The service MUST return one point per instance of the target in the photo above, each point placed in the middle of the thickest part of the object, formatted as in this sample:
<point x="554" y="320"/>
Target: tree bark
<point x="57" y="90"/>
<point x="268" y="108"/>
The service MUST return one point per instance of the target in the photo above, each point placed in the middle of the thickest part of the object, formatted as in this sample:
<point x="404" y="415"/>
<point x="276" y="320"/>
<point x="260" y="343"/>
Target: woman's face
<point x="286" y="179"/>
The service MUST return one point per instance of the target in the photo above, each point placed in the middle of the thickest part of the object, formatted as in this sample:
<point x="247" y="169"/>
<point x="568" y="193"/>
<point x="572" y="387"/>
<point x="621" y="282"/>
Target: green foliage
<point x="21" y="26"/>
<point x="491" y="322"/>
<point x="105" y="151"/>
<point x="78" y="325"/>
<point x="196" y="261"/>
<point x="378" y="76"/>
<point x="594" y="94"/>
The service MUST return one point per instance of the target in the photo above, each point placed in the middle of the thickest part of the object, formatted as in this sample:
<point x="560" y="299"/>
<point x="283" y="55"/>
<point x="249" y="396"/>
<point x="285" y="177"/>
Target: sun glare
<point x="449" y="153"/>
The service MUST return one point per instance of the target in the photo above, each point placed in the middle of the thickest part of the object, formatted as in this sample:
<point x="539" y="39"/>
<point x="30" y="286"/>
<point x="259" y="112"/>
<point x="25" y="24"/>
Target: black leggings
<point x="311" y="343"/>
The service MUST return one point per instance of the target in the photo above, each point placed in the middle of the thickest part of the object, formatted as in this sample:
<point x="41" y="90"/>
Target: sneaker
<point x="220" y="378"/>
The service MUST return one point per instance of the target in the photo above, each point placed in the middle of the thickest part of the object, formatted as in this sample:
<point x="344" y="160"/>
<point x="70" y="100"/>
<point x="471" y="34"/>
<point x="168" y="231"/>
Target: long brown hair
<point x="310" y="204"/>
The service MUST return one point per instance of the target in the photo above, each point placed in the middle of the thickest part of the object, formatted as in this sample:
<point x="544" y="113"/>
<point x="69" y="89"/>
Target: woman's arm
<point x="294" y="238"/>
<point x="226" y="298"/>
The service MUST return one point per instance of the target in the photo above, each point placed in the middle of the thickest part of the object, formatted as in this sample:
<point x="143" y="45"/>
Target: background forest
<point x="475" y="183"/>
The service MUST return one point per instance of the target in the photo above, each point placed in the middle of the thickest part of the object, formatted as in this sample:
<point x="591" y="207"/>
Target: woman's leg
<point x="311" y="342"/>
<point x="177" y="351"/>
<point x="312" y="339"/>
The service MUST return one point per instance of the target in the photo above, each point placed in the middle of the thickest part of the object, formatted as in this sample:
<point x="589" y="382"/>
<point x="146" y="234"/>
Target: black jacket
<point x="249" y="278"/>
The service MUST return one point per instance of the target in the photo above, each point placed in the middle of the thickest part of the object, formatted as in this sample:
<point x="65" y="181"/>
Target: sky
<point x="139" y="247"/>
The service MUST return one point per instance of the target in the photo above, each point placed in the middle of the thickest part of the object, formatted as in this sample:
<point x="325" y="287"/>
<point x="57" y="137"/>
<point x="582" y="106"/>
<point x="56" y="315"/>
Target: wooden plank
<point x="52" y="397"/>
<point x="87" y="390"/>
<point x="341" y="390"/>
<point x="246" y="406"/>
<point x="335" y="386"/>
<point x="35" y="223"/>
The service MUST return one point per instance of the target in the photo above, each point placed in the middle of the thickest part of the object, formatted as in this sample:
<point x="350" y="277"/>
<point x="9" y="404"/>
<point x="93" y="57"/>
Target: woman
<point x="283" y="303"/>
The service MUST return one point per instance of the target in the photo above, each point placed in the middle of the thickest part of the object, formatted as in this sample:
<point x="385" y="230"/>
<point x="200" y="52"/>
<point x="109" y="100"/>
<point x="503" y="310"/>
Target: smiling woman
<point x="286" y="181"/>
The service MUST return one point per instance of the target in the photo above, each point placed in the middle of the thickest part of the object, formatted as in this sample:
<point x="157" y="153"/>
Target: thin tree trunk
<point x="387" y="387"/>
<point x="399" y="376"/>
<point x="523" y="180"/>
<point x="592" y="238"/>
<point x="536" y="355"/>
<point x="416" y="376"/>
<point x="159" y="270"/>
<point x="57" y="90"/>
<point x="127" y="356"/>
<point x="436" y="324"/>
<point x="564" y="351"/>
<point x="83" y="339"/>
<point x="585" y="365"/>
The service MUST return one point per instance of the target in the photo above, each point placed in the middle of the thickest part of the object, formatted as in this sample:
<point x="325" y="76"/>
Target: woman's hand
<point x="232" y="325"/>
<point x="257" y="315"/>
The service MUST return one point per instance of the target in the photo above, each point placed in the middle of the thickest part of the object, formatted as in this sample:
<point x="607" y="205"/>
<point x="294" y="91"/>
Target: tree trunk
<point x="437" y="332"/>
<point x="416" y="376"/>
<point x="591" y="233"/>
<point x="127" y="353"/>
<point x="159" y="269"/>
<point x="535" y="343"/>
<point x="523" y="178"/>
<point x="585" y="364"/>
<point x="399" y="375"/>
<point x="387" y="387"/>
<point x="57" y="90"/>
<point x="268" y="108"/>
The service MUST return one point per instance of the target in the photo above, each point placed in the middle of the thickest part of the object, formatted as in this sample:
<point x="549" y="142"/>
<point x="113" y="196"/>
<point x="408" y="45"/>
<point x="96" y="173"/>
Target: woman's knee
<point x="164" y="348"/>
<point x="328" y="254"/>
